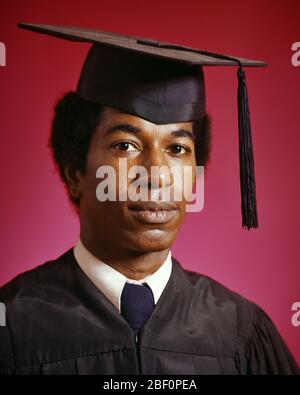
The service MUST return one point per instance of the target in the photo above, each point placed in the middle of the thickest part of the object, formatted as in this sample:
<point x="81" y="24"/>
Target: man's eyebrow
<point x="126" y="127"/>
<point x="183" y="133"/>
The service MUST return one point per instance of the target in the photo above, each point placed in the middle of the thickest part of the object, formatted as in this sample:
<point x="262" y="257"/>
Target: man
<point x="119" y="303"/>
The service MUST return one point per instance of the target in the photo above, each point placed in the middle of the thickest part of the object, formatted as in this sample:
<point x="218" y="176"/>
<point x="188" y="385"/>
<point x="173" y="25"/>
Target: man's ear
<point x="73" y="179"/>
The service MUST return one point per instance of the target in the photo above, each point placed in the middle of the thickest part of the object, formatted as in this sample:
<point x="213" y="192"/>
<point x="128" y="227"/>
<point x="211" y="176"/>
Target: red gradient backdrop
<point x="37" y="223"/>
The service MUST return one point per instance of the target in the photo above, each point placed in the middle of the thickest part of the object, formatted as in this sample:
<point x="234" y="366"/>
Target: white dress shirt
<point x="111" y="282"/>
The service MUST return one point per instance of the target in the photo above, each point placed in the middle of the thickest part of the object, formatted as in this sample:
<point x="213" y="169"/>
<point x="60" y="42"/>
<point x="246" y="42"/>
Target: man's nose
<point x="158" y="168"/>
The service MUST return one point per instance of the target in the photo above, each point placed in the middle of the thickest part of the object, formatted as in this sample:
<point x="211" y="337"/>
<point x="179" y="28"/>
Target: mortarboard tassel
<point x="246" y="158"/>
<point x="247" y="178"/>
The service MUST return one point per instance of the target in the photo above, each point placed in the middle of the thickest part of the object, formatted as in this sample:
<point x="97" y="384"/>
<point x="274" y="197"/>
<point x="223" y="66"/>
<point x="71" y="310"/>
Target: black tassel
<point x="247" y="178"/>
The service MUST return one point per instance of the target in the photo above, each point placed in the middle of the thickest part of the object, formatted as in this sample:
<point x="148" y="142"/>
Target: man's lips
<point x="153" y="206"/>
<point x="153" y="212"/>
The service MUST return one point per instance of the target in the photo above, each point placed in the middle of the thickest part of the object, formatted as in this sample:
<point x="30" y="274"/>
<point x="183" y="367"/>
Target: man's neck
<point x="132" y="264"/>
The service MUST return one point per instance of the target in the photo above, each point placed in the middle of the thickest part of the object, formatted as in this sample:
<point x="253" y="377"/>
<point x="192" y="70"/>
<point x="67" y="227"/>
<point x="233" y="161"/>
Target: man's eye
<point x="179" y="149"/>
<point x="125" y="146"/>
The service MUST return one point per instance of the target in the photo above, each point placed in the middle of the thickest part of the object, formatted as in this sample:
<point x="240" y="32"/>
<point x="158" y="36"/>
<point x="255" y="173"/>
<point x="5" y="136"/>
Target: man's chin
<point x="152" y="240"/>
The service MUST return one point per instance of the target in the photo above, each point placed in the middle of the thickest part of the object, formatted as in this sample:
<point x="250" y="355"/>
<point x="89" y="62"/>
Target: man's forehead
<point x="112" y="117"/>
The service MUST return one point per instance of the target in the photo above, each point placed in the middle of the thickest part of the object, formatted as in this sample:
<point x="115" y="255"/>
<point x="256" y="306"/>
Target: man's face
<point x="141" y="226"/>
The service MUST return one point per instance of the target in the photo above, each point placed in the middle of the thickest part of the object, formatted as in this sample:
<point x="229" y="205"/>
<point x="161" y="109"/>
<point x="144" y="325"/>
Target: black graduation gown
<point x="58" y="322"/>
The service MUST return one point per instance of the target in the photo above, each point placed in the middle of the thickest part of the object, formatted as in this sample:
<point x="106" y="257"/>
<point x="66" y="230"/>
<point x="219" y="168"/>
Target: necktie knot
<point x="137" y="304"/>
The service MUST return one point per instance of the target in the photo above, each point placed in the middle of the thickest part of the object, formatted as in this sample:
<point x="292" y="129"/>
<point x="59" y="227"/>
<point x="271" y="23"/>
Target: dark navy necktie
<point x="137" y="304"/>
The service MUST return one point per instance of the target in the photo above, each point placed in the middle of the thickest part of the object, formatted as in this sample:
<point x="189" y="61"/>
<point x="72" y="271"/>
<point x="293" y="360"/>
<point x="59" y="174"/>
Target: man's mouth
<point x="153" y="212"/>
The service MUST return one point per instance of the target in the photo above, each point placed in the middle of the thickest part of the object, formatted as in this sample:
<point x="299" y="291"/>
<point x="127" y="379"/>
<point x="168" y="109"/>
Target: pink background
<point x="37" y="223"/>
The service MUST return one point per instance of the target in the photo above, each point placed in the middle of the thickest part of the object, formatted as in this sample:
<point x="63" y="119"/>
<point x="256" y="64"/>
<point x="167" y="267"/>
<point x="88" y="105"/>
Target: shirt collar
<point x="111" y="282"/>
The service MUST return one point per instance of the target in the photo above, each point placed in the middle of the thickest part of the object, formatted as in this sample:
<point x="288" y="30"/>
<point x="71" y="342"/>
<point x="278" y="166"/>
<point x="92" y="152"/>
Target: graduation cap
<point x="162" y="83"/>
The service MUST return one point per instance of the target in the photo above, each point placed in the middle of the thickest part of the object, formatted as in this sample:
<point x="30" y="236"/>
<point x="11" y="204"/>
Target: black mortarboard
<point x="162" y="83"/>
